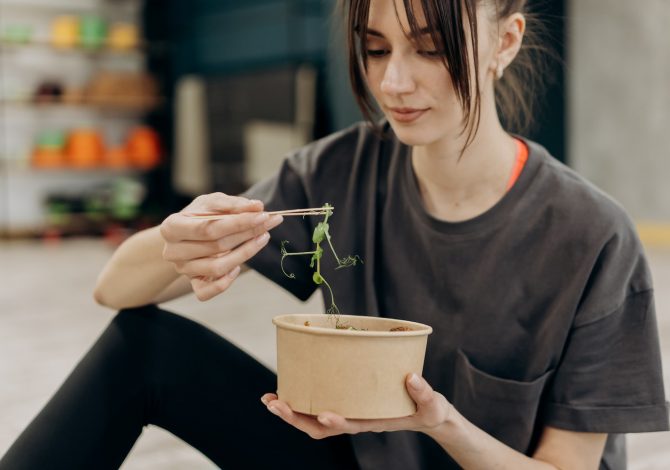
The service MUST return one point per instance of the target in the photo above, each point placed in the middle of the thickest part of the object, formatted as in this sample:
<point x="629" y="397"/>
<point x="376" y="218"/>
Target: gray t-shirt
<point x="542" y="307"/>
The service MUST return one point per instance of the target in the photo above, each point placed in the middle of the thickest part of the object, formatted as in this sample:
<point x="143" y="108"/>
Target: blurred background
<point x="116" y="113"/>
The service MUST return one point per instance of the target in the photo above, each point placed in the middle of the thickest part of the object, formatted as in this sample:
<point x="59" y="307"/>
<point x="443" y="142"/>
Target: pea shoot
<point x="320" y="235"/>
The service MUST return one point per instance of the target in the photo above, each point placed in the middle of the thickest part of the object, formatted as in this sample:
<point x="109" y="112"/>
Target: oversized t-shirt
<point x="541" y="307"/>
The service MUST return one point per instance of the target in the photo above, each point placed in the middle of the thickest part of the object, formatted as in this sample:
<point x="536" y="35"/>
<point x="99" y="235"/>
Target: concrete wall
<point x="619" y="101"/>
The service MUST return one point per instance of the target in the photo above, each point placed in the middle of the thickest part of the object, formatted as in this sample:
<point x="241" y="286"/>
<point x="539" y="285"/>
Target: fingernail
<point x="234" y="273"/>
<point x="274" y="221"/>
<point x="273" y="410"/>
<point x="264" y="401"/>
<point x="262" y="239"/>
<point x="414" y="381"/>
<point x="260" y="218"/>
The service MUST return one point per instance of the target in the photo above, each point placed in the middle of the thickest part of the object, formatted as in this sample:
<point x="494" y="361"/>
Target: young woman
<point x="545" y="348"/>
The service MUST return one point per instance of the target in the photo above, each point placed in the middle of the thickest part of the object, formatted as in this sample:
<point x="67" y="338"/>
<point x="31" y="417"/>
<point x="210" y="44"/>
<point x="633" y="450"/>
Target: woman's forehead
<point x="390" y="13"/>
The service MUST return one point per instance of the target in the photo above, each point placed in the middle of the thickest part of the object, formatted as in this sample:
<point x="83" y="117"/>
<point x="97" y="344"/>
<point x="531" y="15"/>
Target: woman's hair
<point x="515" y="92"/>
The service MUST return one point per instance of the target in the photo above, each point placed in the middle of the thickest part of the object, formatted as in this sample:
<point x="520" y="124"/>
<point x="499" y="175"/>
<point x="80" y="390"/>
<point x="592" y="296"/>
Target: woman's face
<point x="408" y="79"/>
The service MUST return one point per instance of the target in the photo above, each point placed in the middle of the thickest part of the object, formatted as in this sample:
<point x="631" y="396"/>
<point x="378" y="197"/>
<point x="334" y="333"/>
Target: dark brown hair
<point x="515" y="92"/>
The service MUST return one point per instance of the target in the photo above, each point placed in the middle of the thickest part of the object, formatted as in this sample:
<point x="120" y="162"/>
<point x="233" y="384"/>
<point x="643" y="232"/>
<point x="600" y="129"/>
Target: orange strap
<point x="521" y="159"/>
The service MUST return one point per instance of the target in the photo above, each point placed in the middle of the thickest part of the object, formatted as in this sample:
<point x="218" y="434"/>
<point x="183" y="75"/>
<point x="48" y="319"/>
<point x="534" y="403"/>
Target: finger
<point x="233" y="241"/>
<point x="267" y="398"/>
<point x="337" y="423"/>
<point x="305" y="423"/>
<point x="206" y="290"/>
<point x="180" y="227"/>
<point x="189" y="250"/>
<point x="223" y="203"/>
<point x="340" y="425"/>
<point x="216" y="267"/>
<point x="420" y="390"/>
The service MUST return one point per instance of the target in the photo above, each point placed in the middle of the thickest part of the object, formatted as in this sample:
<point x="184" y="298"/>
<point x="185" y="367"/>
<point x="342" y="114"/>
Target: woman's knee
<point x="131" y="328"/>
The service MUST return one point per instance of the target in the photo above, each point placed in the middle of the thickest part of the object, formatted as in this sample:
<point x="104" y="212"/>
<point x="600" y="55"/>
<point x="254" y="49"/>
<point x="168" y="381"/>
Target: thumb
<point x="420" y="391"/>
<point x="220" y="202"/>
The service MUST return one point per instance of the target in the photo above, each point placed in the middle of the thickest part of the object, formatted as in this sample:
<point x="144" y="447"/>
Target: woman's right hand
<point x="211" y="252"/>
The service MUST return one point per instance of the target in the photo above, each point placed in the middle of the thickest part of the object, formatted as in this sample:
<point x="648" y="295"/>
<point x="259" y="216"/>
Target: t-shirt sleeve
<point x="286" y="190"/>
<point x="609" y="378"/>
<point x="328" y="170"/>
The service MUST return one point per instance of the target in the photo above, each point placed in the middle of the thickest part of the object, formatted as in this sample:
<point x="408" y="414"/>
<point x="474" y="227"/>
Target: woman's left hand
<point x="433" y="409"/>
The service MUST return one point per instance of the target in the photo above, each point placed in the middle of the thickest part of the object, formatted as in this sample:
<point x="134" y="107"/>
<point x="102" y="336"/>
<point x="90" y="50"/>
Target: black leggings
<point x="154" y="367"/>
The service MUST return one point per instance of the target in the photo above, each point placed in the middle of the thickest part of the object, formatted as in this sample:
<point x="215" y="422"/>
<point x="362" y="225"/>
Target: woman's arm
<point x="186" y="254"/>
<point x="467" y="444"/>
<point x="137" y="274"/>
<point x="559" y="449"/>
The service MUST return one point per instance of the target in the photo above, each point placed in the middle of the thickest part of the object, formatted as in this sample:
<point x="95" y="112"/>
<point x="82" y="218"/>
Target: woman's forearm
<point x="473" y="448"/>
<point x="136" y="273"/>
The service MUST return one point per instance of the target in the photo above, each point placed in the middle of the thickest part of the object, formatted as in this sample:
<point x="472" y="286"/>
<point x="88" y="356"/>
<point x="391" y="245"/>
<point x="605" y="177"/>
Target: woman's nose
<point x="397" y="78"/>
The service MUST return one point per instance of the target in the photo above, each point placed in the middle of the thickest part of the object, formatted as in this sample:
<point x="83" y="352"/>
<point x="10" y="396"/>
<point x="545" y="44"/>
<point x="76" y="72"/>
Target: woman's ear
<point x="510" y="38"/>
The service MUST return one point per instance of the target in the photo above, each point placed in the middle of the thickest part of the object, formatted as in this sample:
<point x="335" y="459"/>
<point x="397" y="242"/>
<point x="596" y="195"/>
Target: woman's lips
<point x="406" y="114"/>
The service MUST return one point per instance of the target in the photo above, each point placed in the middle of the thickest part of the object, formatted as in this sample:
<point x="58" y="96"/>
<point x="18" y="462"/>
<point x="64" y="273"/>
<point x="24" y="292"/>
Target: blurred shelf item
<point x="87" y="33"/>
<point x="131" y="92"/>
<point x="85" y="148"/>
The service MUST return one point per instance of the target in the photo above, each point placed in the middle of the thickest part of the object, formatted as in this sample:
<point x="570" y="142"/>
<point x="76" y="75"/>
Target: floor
<point x="48" y="320"/>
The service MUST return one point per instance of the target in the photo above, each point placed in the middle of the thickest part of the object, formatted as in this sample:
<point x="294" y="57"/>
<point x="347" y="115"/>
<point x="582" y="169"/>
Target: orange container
<point x="144" y="149"/>
<point x="117" y="157"/>
<point x="85" y="148"/>
<point x="45" y="157"/>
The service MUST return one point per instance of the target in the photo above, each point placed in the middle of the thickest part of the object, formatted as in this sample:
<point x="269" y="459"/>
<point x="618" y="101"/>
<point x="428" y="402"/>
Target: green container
<point x="92" y="31"/>
<point x="18" y="33"/>
<point x="51" y="139"/>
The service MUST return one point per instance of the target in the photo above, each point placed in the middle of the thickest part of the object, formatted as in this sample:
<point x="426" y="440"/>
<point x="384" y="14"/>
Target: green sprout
<point x="320" y="234"/>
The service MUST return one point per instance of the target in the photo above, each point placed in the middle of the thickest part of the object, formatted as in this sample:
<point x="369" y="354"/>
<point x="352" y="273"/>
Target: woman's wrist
<point x="450" y="426"/>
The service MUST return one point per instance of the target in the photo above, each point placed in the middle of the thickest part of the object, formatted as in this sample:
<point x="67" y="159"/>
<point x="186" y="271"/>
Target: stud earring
<point x="499" y="71"/>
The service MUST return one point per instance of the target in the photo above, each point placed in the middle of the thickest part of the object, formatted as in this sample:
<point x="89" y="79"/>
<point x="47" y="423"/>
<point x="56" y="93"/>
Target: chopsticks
<point x="285" y="213"/>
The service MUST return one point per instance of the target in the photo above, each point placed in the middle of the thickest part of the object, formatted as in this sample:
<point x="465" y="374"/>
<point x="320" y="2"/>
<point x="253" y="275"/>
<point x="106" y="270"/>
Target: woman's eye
<point x="376" y="52"/>
<point x="431" y="54"/>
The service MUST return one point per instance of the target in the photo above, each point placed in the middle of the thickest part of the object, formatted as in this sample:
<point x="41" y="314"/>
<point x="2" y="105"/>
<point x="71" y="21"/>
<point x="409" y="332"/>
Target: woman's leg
<point x="154" y="367"/>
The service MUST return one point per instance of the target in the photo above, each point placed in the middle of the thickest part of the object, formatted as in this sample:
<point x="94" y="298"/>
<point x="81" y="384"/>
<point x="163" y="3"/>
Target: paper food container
<point x="356" y="374"/>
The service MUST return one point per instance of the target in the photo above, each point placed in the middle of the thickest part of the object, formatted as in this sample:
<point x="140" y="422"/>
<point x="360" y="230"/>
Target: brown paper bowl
<point x="356" y="374"/>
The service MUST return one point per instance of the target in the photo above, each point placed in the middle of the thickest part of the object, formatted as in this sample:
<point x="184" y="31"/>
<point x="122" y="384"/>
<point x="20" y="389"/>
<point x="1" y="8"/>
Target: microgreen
<point x="321" y="234"/>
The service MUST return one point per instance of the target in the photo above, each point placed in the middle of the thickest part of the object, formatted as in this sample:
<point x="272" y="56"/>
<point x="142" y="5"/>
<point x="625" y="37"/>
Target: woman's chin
<point x="412" y="136"/>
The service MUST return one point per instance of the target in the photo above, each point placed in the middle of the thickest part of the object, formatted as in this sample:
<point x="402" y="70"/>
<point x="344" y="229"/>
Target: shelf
<point x="81" y="5"/>
<point x="122" y="105"/>
<point x="79" y="50"/>
<point x="25" y="168"/>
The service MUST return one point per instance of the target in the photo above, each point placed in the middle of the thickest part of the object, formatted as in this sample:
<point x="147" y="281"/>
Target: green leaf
<point x="320" y="231"/>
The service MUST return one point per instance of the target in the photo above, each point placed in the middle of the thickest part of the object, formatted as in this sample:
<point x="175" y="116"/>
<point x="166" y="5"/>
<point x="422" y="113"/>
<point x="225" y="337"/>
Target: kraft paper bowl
<point x="356" y="374"/>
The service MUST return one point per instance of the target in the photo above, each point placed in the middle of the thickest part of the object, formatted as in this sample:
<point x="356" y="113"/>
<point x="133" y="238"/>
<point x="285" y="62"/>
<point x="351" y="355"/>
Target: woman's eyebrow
<point x="373" y="32"/>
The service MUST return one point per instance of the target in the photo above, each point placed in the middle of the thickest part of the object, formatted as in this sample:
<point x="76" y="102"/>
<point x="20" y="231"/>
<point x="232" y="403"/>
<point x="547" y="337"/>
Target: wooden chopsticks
<point x="285" y="213"/>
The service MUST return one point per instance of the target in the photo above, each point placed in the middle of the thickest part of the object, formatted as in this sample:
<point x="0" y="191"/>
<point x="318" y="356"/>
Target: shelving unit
<point x="24" y="66"/>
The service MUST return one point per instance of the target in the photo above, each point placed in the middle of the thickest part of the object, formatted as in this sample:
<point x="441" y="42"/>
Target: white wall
<point x="619" y="107"/>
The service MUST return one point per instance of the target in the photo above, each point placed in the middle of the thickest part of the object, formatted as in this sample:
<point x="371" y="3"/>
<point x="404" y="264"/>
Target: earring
<point x="499" y="71"/>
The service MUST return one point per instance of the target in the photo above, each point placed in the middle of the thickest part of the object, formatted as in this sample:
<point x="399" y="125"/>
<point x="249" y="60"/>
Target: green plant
<point x="321" y="234"/>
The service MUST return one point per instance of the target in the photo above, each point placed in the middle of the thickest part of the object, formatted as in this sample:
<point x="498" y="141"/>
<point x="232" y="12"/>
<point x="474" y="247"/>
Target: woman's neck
<point x="457" y="188"/>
